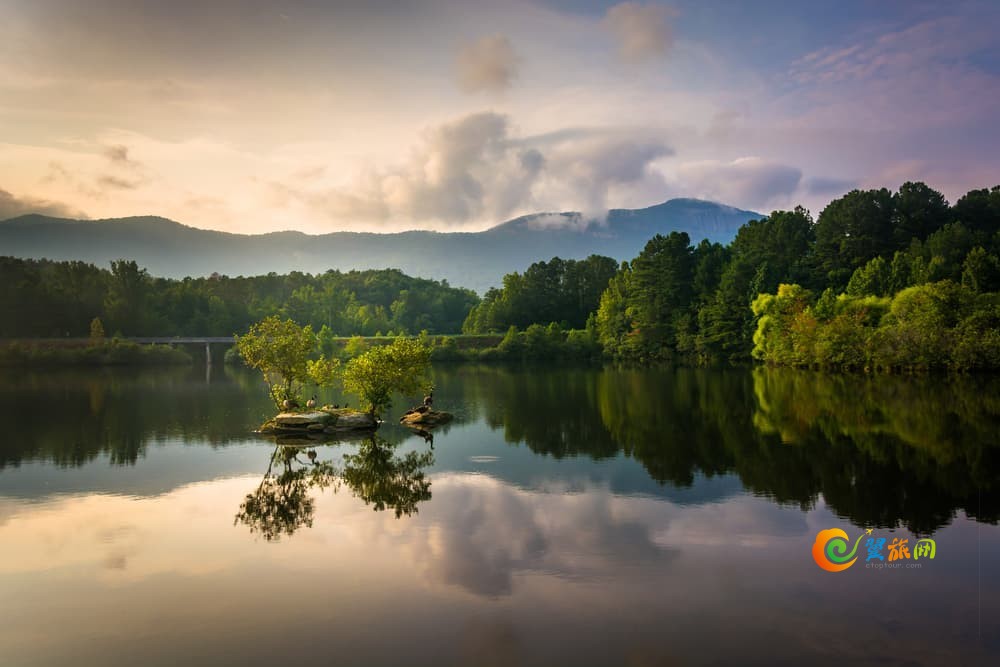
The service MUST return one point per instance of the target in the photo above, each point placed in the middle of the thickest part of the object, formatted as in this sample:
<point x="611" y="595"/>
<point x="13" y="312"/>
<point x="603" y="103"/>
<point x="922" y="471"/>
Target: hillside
<point x="476" y="260"/>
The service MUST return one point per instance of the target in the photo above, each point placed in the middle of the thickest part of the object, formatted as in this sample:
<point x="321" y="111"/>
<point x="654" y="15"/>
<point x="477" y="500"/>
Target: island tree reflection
<point x="283" y="502"/>
<point x="386" y="481"/>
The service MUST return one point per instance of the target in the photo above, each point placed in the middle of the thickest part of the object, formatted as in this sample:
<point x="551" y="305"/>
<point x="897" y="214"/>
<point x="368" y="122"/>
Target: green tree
<point x="613" y="322"/>
<point x="784" y="327"/>
<point x="280" y="350"/>
<point x="126" y="300"/>
<point x="981" y="271"/>
<point x="764" y="254"/>
<point x="386" y="481"/>
<point x="660" y="291"/>
<point x="355" y="347"/>
<point x="979" y="210"/>
<point x="918" y="212"/>
<point x="564" y="291"/>
<point x="874" y="278"/>
<point x="96" y="331"/>
<point x="852" y="230"/>
<point x="400" y="367"/>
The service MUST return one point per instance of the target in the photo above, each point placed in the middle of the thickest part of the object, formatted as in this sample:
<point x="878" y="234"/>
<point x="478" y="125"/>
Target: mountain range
<point x="477" y="260"/>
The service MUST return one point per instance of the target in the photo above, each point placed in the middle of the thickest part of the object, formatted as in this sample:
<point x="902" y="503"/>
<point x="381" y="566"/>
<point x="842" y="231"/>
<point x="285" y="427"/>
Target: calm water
<point x="584" y="517"/>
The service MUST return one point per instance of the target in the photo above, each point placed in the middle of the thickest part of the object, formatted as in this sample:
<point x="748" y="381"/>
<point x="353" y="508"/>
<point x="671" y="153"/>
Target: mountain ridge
<point x="477" y="260"/>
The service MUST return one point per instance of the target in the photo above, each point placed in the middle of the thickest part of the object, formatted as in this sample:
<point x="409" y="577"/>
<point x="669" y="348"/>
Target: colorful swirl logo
<point x="830" y="550"/>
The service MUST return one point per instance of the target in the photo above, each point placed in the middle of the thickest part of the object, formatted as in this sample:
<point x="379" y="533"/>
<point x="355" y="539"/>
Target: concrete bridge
<point x="207" y="341"/>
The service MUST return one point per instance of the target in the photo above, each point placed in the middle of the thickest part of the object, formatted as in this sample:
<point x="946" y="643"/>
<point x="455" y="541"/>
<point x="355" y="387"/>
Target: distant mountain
<point x="477" y="260"/>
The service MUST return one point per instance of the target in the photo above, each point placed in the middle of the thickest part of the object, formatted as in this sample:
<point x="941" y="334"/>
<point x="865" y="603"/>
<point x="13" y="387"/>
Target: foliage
<point x="865" y="247"/>
<point x="323" y="372"/>
<point x="375" y="375"/>
<point x="62" y="298"/>
<point x="280" y="350"/>
<point x="281" y="503"/>
<point x="675" y="299"/>
<point x="386" y="481"/>
<point x="96" y="330"/>
<point x="659" y="292"/>
<point x="98" y="353"/>
<point x="356" y="346"/>
<point x="936" y="325"/>
<point x="560" y="290"/>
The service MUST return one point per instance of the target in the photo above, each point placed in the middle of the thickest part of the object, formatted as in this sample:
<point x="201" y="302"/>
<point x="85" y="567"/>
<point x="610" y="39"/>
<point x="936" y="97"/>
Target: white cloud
<point x="475" y="170"/>
<point x="749" y="182"/>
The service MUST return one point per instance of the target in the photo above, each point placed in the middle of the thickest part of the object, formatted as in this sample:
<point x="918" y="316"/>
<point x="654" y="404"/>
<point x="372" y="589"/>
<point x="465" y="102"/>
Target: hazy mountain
<point x="477" y="260"/>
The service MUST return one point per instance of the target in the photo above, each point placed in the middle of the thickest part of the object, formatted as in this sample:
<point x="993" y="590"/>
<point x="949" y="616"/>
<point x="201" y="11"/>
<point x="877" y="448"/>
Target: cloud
<point x="927" y="74"/>
<point x="475" y="170"/>
<point x="746" y="182"/>
<point x="488" y="64"/>
<point x="118" y="155"/>
<point x="12" y="207"/>
<point x="587" y="170"/>
<point x="116" y="182"/>
<point x="820" y="185"/>
<point x="642" y="31"/>
<point x="131" y="175"/>
<point x="568" y="535"/>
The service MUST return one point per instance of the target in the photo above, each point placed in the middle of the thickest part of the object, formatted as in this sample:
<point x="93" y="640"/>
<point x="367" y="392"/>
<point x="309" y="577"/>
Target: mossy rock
<point x="326" y="420"/>
<point x="426" y="418"/>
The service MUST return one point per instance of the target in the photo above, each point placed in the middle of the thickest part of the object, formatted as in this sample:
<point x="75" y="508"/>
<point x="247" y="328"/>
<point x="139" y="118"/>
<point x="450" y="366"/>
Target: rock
<point x="302" y="418"/>
<point x="425" y="418"/>
<point x="318" y="423"/>
<point x="350" y="420"/>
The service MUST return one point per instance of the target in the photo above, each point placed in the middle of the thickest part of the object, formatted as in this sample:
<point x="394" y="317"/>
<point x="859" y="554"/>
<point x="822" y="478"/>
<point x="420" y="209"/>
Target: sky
<point x="454" y="115"/>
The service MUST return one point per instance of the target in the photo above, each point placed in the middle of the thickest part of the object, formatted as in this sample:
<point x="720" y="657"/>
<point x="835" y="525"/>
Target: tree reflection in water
<point x="282" y="502"/>
<point x="382" y="479"/>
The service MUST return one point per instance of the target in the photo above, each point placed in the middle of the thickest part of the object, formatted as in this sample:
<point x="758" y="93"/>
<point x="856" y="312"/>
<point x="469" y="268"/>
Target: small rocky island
<point x="425" y="417"/>
<point x="328" y="420"/>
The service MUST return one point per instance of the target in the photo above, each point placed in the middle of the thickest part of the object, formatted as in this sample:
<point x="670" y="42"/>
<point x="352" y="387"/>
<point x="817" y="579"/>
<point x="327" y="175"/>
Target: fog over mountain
<point x="477" y="260"/>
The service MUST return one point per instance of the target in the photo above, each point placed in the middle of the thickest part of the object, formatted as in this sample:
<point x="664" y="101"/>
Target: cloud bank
<point x="12" y="207"/>
<point x="749" y="181"/>
<point x="475" y="169"/>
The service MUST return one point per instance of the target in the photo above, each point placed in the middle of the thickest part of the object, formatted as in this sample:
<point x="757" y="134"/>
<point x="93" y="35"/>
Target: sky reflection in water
<point x="615" y="517"/>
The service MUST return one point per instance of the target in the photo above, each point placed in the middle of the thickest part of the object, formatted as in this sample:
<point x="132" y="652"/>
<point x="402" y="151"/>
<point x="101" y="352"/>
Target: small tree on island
<point x="281" y="350"/>
<point x="401" y="366"/>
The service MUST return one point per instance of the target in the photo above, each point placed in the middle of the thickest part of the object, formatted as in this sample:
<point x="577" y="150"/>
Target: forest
<point x="879" y="280"/>
<point x="61" y="299"/>
<point x="907" y="263"/>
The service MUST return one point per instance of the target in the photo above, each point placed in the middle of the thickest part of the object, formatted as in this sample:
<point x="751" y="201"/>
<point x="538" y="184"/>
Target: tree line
<point x="675" y="298"/>
<point x="59" y="299"/>
<point x="881" y="279"/>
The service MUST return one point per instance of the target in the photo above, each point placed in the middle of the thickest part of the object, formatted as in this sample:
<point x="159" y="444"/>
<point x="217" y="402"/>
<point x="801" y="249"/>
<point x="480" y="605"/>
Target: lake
<point x="567" y="516"/>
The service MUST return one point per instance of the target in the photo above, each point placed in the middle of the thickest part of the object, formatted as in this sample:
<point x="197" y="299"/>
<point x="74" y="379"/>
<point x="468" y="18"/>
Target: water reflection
<point x="72" y="417"/>
<point x="578" y="516"/>
<point x="881" y="451"/>
<point x="380" y="478"/>
<point x="284" y="500"/>
<point x="282" y="503"/>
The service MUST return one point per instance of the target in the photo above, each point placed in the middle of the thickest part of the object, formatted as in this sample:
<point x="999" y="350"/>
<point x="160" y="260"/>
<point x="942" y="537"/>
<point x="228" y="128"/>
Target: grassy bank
<point x="103" y="353"/>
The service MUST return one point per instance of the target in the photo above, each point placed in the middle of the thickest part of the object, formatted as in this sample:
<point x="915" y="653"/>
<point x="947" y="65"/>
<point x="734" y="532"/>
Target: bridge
<point x="207" y="341"/>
